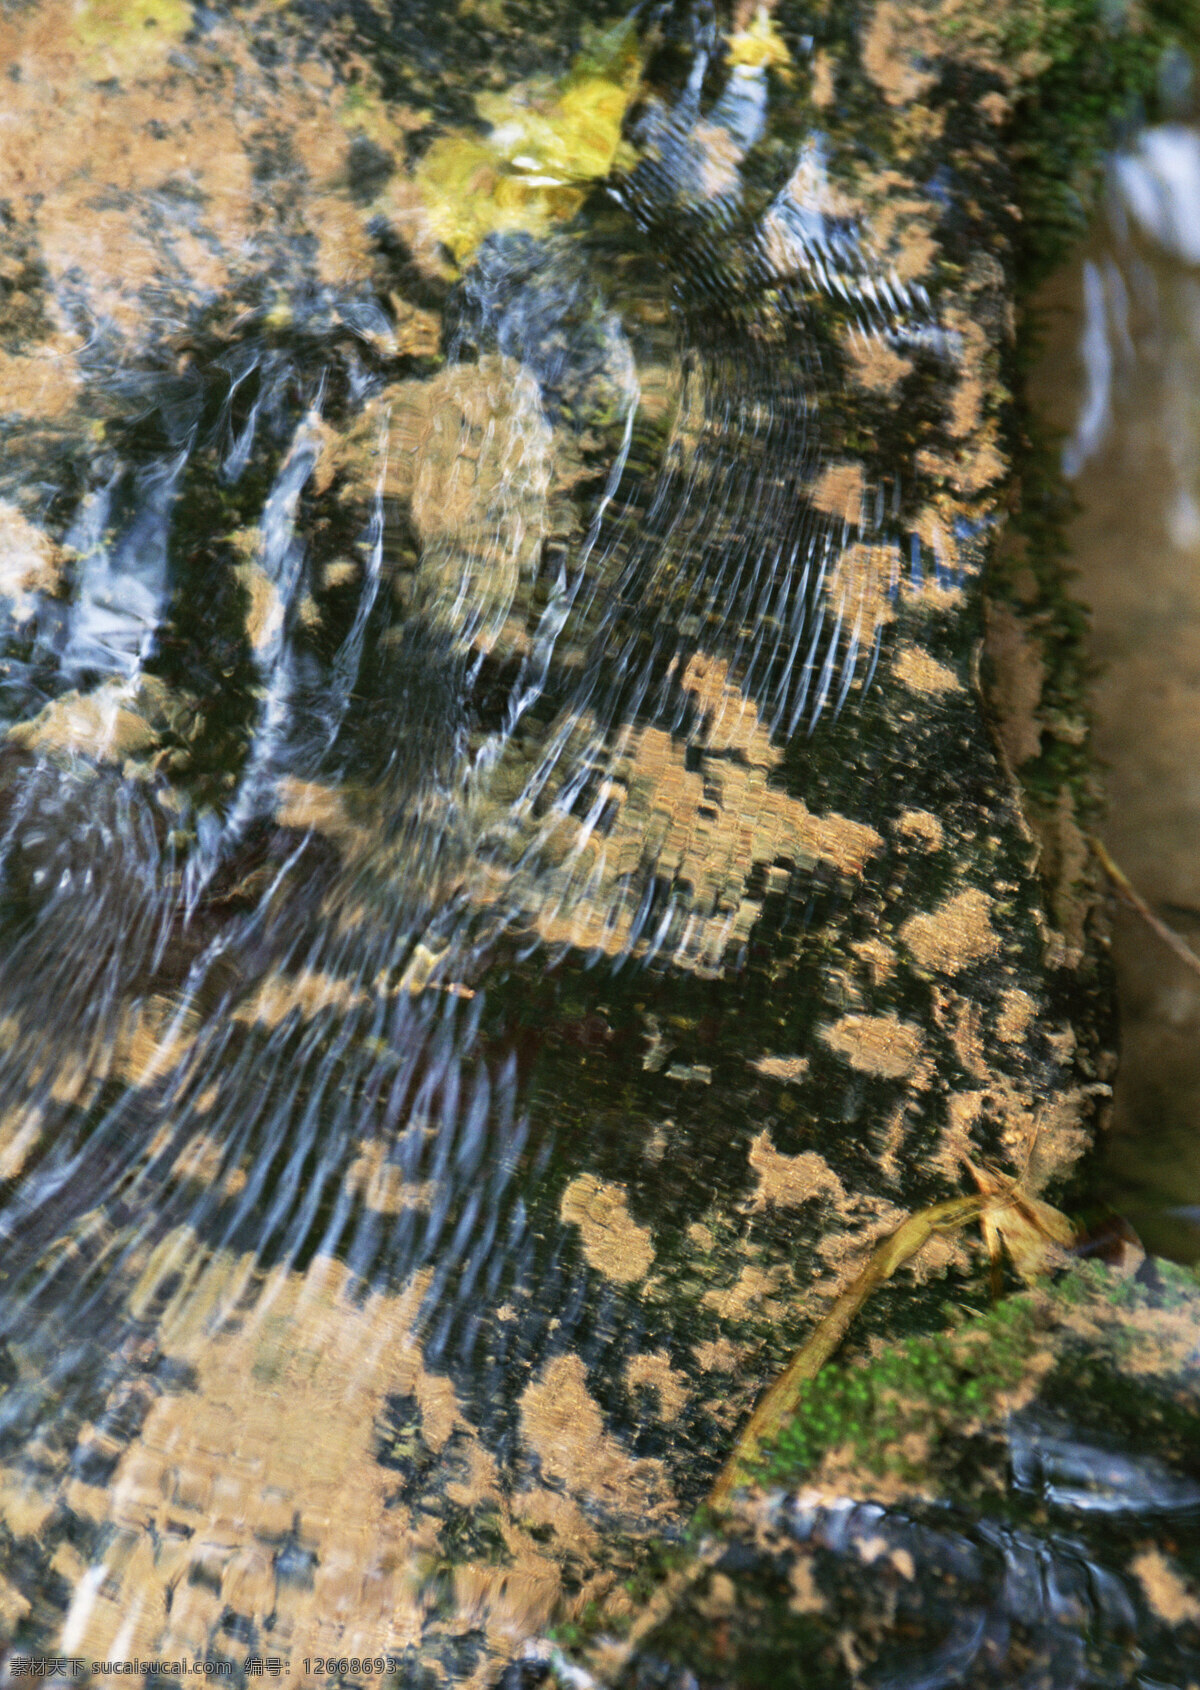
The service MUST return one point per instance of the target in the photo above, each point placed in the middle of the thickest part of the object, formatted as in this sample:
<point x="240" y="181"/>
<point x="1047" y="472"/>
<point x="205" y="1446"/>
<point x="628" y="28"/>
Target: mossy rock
<point x="1015" y="1501"/>
<point x="511" y="884"/>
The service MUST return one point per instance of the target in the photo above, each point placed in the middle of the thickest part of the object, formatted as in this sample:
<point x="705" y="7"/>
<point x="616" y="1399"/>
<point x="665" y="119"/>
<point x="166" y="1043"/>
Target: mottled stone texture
<point x="1012" y="1503"/>
<point x="509" y="887"/>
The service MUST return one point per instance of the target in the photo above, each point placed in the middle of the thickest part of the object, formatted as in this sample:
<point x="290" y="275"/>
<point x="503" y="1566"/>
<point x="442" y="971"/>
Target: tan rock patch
<point x="309" y="992"/>
<point x="341" y="572"/>
<point x="20" y="1132"/>
<point x="922" y="827"/>
<point x="973" y="468"/>
<point x="13" y="1607"/>
<point x="1017" y="1010"/>
<point x="876" y="1044"/>
<point x="879" y="958"/>
<point x="955" y="935"/>
<point x="894" y="40"/>
<point x="154" y="1042"/>
<point x="42" y="383"/>
<point x="701" y="829"/>
<point x="383" y="1186"/>
<point x="1169" y="1594"/>
<point x="103" y="724"/>
<point x="201" y="1161"/>
<point x="30" y="562"/>
<point x="962" y="1019"/>
<point x="956" y="1144"/>
<point x="788" y="1181"/>
<point x="613" y="1242"/>
<point x="899" y="233"/>
<point x="839" y="491"/>
<point x="1059" y="1137"/>
<point x="863" y="585"/>
<point x="822" y="95"/>
<point x="971" y="390"/>
<point x="279" y="1435"/>
<point x="874" y="365"/>
<point x="782" y="1067"/>
<point x="310" y="804"/>
<point x="935" y="528"/>
<point x="562" y="1424"/>
<point x="718" y="1355"/>
<point x="751" y="1293"/>
<point x="656" y="1371"/>
<point x="264" y="607"/>
<point x="806" y="1597"/>
<point x="919" y="672"/>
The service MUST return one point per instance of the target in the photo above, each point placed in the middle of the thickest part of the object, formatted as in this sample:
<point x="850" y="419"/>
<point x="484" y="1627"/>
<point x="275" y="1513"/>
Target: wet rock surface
<point x="1016" y="1502"/>
<point x="508" y="884"/>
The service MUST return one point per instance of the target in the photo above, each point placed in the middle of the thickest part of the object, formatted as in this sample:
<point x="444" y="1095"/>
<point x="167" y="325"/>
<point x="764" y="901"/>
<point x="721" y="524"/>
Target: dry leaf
<point x="1030" y="1232"/>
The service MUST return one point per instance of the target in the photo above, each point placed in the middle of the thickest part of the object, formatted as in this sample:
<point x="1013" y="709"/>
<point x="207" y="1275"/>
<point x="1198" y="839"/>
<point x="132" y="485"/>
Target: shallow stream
<point x="508" y="894"/>
<point x="1119" y="375"/>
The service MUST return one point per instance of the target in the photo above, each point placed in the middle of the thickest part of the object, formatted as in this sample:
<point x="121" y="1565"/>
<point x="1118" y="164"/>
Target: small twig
<point x="779" y="1403"/>
<point x="996" y="1197"/>
<point x="1126" y="892"/>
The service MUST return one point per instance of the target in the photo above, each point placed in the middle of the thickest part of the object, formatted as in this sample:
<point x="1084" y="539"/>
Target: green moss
<point x="926" y="1385"/>
<point x="934" y="1386"/>
<point x="1098" y="63"/>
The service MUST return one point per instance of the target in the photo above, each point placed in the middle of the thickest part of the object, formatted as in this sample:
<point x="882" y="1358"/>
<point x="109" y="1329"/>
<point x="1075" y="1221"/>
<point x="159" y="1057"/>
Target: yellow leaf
<point x="124" y="37"/>
<point x="545" y="143"/>
<point x="760" y="45"/>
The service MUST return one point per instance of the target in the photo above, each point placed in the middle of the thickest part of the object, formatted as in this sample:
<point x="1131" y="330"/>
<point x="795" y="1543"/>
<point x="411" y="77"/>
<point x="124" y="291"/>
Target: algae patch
<point x="122" y="37"/>
<point x="922" y="1387"/>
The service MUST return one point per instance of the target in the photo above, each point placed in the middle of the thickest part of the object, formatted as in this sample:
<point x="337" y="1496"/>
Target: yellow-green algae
<point x="938" y="1386"/>
<point x="124" y="37"/>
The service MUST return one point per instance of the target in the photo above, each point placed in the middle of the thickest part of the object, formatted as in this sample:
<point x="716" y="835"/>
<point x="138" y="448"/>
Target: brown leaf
<point x="1032" y="1233"/>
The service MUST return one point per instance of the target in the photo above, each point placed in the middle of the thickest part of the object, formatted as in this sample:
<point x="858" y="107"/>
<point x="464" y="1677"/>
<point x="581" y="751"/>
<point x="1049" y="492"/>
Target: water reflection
<point x="1121" y="375"/>
<point x="342" y="707"/>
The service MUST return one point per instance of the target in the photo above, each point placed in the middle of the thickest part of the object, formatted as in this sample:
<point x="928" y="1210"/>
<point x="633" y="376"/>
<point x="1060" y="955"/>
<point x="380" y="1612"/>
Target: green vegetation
<point x="891" y="1415"/>
<point x="926" y="1386"/>
<point x="1098" y="64"/>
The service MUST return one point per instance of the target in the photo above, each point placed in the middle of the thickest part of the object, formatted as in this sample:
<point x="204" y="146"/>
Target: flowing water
<point x="413" y="576"/>
<point x="506" y="889"/>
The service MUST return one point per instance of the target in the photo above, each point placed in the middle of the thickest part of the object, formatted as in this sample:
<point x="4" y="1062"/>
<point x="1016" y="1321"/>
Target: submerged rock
<point x="508" y="882"/>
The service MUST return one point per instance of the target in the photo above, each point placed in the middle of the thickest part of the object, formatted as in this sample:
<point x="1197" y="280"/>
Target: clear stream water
<point x="1120" y="376"/>
<point x="443" y="777"/>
